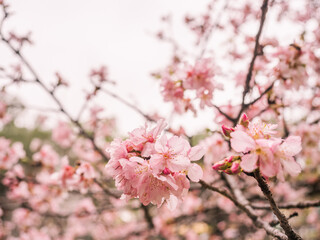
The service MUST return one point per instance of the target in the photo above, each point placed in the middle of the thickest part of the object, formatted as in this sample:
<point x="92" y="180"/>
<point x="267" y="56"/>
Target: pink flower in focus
<point x="261" y="150"/>
<point x="284" y="154"/>
<point x="255" y="150"/>
<point x="153" y="169"/>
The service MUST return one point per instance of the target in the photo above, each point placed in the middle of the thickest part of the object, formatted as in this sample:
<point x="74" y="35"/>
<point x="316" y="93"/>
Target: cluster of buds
<point x="230" y="165"/>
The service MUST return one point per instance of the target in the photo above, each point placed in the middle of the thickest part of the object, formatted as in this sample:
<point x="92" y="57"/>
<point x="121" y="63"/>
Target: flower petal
<point x="195" y="172"/>
<point x="178" y="163"/>
<point x="196" y="153"/>
<point x="241" y="141"/>
<point x="291" y="166"/>
<point x="291" y="146"/>
<point x="249" y="162"/>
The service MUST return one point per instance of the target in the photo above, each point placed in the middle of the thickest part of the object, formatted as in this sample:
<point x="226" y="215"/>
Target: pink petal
<point x="172" y="202"/>
<point x="291" y="166"/>
<point x="157" y="163"/>
<point x="249" y="162"/>
<point x="241" y="141"/>
<point x="195" y="172"/>
<point x="267" y="165"/>
<point x="161" y="125"/>
<point x="148" y="149"/>
<point x="161" y="145"/>
<point x="178" y="163"/>
<point x="291" y="146"/>
<point x="196" y="153"/>
<point x="178" y="144"/>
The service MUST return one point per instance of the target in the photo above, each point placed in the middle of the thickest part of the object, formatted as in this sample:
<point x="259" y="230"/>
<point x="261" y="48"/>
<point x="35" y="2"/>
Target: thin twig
<point x="256" y="52"/>
<point x="244" y="206"/>
<point x="299" y="205"/>
<point x="292" y="235"/>
<point x="106" y="190"/>
<point x="147" y="216"/>
<point x="276" y="222"/>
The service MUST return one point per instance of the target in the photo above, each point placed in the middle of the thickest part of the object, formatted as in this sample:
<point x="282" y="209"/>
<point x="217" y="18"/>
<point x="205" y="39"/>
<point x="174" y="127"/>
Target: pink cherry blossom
<point x="47" y="156"/>
<point x="262" y="150"/>
<point x="154" y="168"/>
<point x="63" y="135"/>
<point x="10" y="153"/>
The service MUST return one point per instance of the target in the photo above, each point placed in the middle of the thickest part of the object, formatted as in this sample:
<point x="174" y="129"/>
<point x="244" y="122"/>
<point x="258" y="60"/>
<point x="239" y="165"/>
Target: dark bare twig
<point x="256" y="52"/>
<point x="258" y="98"/>
<point x="147" y="216"/>
<point x="244" y="206"/>
<point x="224" y="114"/>
<point x="292" y="235"/>
<point x="38" y="81"/>
<point x="106" y="190"/>
<point x="299" y="205"/>
<point x="276" y="222"/>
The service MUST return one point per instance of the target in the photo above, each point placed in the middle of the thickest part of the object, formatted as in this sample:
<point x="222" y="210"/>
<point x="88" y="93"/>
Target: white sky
<point x="73" y="36"/>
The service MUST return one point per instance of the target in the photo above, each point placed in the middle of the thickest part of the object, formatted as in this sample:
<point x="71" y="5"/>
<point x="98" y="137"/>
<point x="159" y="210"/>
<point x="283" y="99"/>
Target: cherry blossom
<point x="63" y="135"/>
<point x="10" y="153"/>
<point x="261" y="149"/>
<point x="154" y="168"/>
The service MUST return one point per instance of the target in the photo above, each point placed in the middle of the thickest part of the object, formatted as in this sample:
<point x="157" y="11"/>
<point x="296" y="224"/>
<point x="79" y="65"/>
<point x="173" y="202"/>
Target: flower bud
<point x="230" y="165"/>
<point x="244" y="120"/>
<point x="227" y="131"/>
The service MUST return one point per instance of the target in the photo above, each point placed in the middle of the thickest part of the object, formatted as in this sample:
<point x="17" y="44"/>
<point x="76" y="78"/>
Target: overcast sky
<point x="74" y="36"/>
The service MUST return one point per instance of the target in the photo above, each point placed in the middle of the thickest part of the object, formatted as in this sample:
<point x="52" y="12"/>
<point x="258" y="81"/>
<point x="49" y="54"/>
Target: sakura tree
<point x="251" y="174"/>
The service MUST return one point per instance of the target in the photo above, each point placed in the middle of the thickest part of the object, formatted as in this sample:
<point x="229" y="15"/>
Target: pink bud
<point x="166" y="171"/>
<point x="230" y="159"/>
<point x="244" y="120"/>
<point x="227" y="130"/>
<point x="235" y="168"/>
<point x="220" y="165"/>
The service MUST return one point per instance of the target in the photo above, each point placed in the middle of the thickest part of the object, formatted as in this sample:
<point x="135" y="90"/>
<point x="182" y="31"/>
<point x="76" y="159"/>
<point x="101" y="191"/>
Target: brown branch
<point x="256" y="52"/>
<point x="246" y="105"/>
<point x="276" y="222"/>
<point x="244" y="206"/>
<point x="51" y="93"/>
<point x="106" y="190"/>
<point x="224" y="114"/>
<point x="282" y="218"/>
<point x="299" y="205"/>
<point x="147" y="216"/>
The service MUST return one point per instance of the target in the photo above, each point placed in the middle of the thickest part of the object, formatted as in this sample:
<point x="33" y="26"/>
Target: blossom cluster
<point x="68" y="177"/>
<point x="180" y="82"/>
<point x="292" y="66"/>
<point x="154" y="168"/>
<point x="10" y="153"/>
<point x="260" y="148"/>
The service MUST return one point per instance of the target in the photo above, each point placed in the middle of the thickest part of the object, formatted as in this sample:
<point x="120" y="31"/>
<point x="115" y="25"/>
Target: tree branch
<point x="256" y="52"/>
<point x="299" y="205"/>
<point x="147" y="216"/>
<point x="282" y="218"/>
<point x="244" y="206"/>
